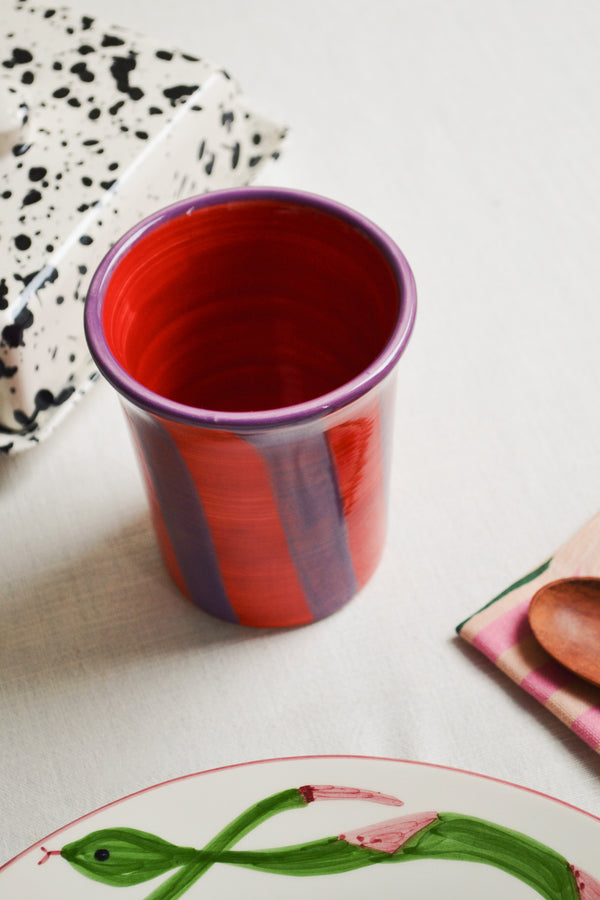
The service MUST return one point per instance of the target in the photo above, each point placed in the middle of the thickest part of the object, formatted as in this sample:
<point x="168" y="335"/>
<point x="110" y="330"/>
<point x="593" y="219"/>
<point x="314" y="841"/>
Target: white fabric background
<point x="469" y="131"/>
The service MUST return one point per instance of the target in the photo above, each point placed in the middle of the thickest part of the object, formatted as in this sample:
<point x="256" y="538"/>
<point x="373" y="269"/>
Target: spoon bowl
<point x="565" y="618"/>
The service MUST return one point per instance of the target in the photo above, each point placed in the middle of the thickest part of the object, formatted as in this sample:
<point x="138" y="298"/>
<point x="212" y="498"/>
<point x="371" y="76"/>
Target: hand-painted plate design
<point x="322" y="827"/>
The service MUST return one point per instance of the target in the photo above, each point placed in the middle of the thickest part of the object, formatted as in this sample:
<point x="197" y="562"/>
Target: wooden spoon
<point x="565" y="618"/>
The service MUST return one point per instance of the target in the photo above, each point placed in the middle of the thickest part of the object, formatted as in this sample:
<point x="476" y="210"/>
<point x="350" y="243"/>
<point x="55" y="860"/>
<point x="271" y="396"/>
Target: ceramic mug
<point x="253" y="337"/>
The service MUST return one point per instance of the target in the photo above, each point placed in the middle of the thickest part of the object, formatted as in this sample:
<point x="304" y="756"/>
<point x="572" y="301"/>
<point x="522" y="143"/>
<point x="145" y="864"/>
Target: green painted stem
<point x="458" y="837"/>
<point x="451" y="837"/>
<point x="183" y="879"/>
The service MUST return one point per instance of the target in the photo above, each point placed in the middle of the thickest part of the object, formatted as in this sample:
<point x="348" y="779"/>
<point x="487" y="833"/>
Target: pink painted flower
<point x="312" y="792"/>
<point x="389" y="836"/>
<point x="588" y="887"/>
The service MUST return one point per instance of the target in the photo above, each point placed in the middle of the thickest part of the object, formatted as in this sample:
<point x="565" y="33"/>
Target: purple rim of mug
<point x="144" y="398"/>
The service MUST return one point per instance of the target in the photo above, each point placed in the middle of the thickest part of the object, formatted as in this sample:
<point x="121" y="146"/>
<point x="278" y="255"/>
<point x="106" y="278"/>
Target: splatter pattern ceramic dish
<point x="324" y="827"/>
<point x="108" y="126"/>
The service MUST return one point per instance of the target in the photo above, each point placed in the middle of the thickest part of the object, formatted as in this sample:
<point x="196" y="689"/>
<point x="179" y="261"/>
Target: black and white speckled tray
<point x="117" y="126"/>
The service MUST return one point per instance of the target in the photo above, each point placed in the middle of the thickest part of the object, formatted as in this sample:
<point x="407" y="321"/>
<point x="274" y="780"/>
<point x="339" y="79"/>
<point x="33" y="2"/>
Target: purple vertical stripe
<point x="304" y="481"/>
<point x="184" y="517"/>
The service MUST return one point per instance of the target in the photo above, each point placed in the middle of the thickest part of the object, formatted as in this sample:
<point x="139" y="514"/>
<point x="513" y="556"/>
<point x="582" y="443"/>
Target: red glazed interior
<point x="250" y="305"/>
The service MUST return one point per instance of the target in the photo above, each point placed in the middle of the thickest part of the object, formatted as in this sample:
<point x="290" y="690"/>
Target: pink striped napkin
<point x="501" y="631"/>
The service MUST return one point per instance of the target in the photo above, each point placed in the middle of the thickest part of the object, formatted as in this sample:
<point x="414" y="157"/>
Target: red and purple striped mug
<point x="253" y="337"/>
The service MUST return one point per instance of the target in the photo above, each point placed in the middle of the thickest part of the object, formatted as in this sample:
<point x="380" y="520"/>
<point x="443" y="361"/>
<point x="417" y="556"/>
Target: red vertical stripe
<point x="357" y="451"/>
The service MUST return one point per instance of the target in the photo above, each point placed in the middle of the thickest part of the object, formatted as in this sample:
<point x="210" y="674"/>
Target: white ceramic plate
<point x="394" y="814"/>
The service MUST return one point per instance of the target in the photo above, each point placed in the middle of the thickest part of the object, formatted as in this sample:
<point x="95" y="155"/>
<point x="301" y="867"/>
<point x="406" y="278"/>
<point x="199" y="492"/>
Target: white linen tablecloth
<point x="470" y="132"/>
